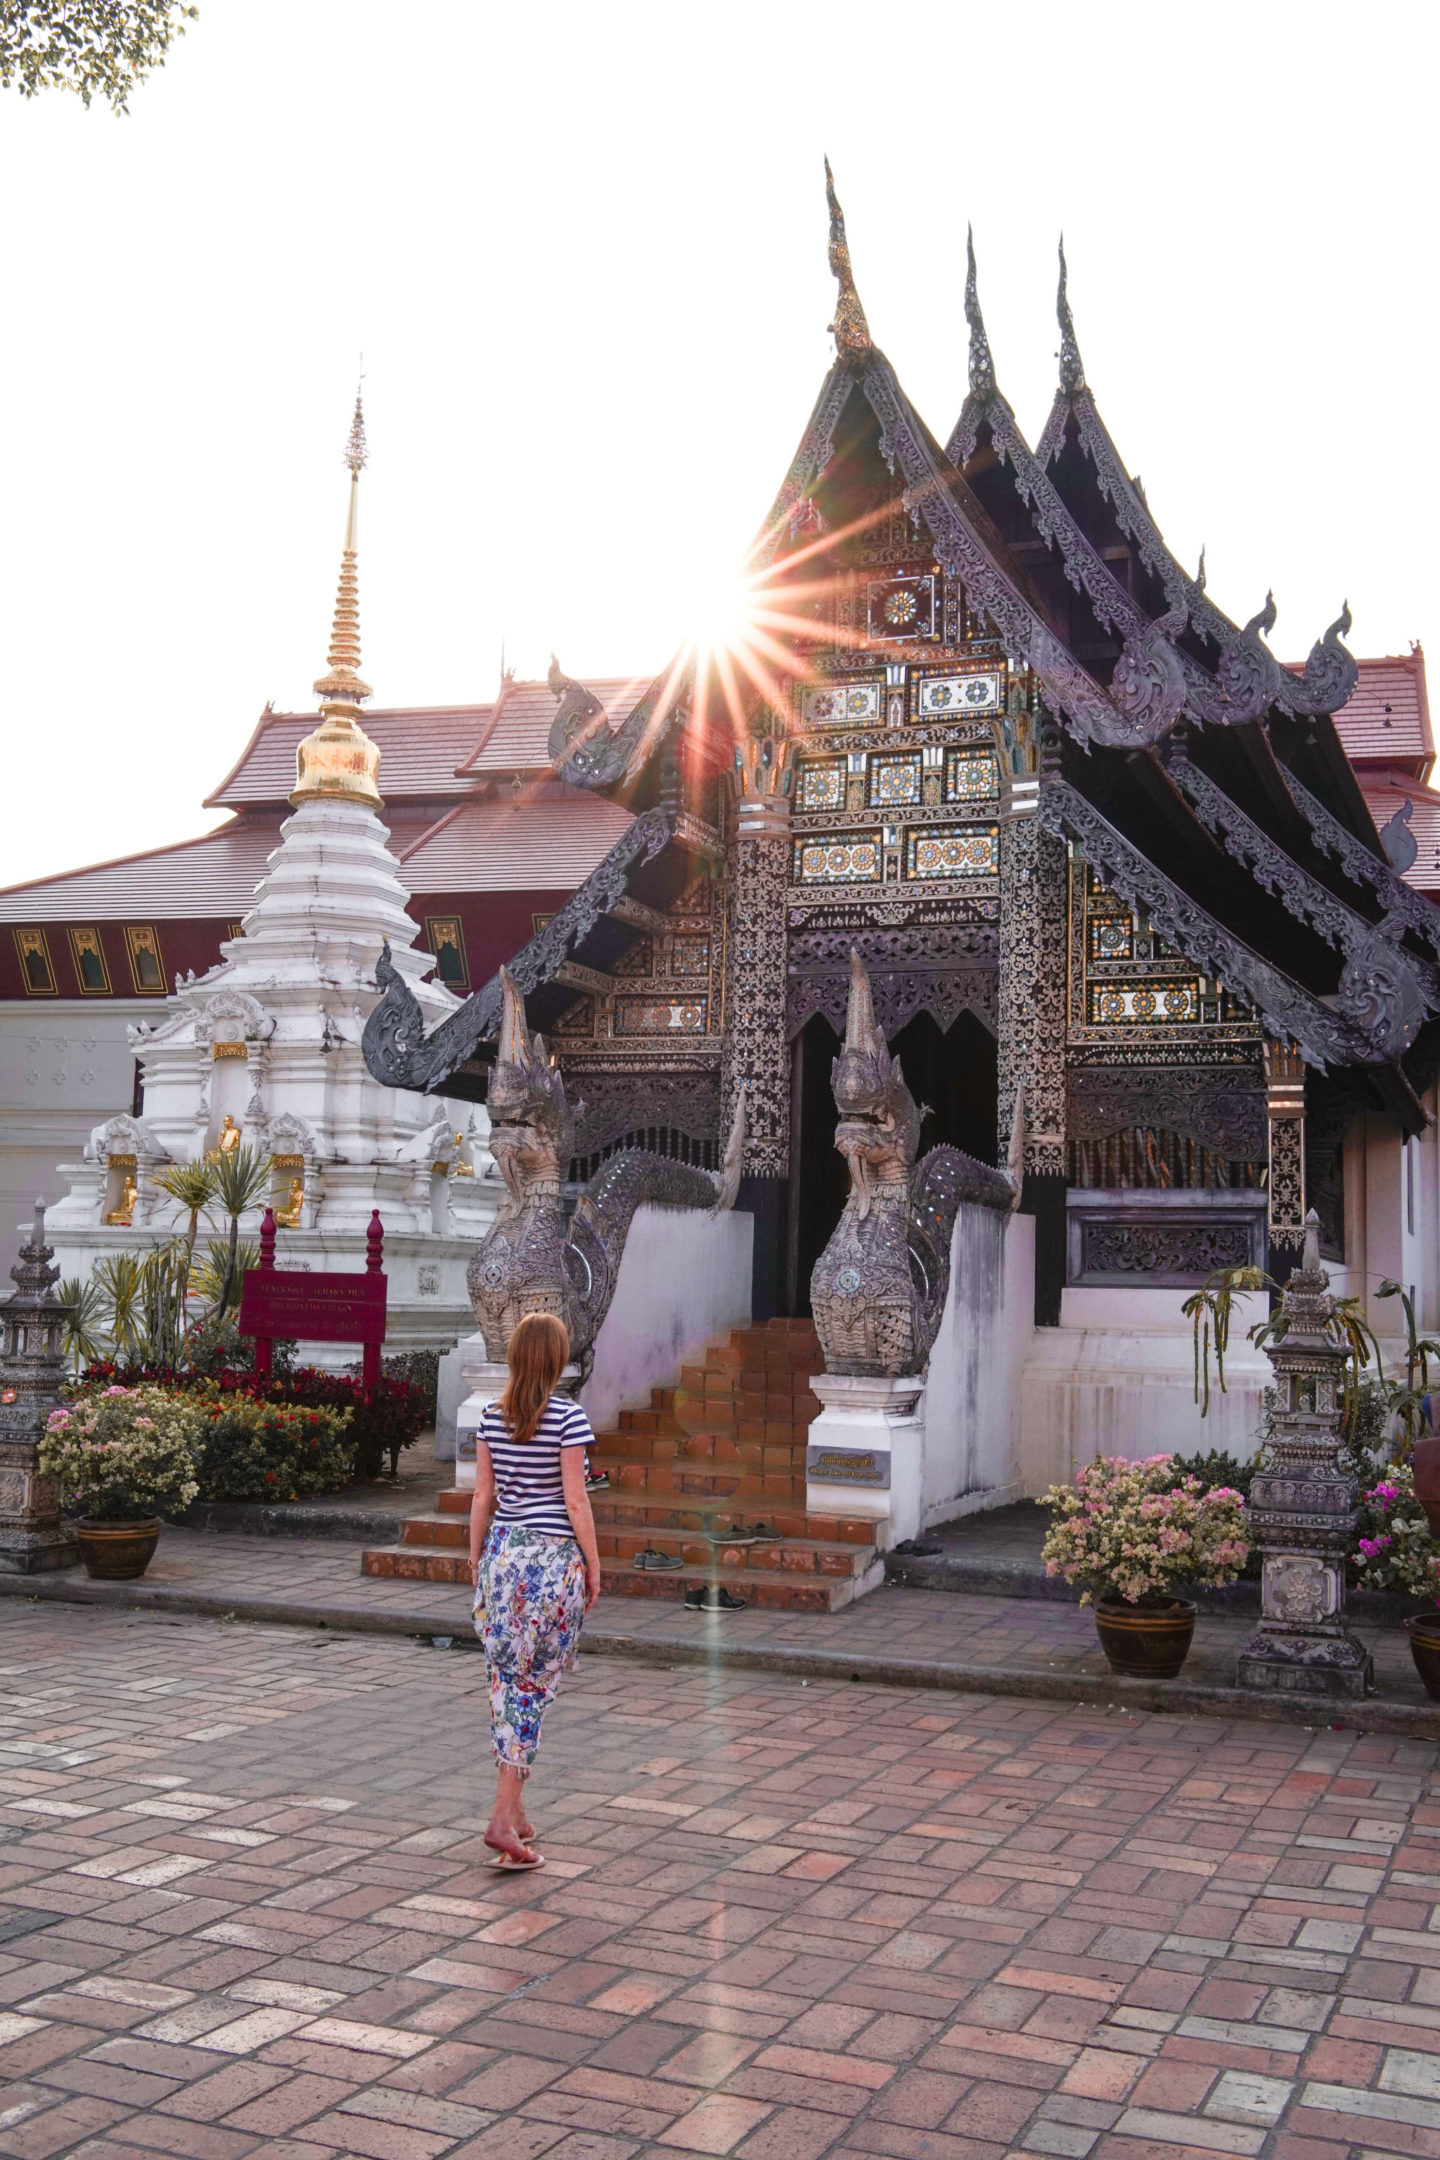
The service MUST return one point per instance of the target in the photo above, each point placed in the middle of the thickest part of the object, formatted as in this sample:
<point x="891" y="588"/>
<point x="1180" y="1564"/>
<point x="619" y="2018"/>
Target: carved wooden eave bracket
<point x="1362" y="866"/>
<point x="1400" y="990"/>
<point x="399" y="1053"/>
<point x="586" y="752"/>
<point x="1376" y="993"/>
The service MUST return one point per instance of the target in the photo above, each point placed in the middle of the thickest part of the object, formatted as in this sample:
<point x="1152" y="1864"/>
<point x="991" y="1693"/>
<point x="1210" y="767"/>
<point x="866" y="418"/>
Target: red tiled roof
<point x="551" y="840"/>
<point x="215" y="876"/>
<point x="420" y="747"/>
<point x="1387" y="718"/>
<point x="518" y="738"/>
<point x="1385" y="793"/>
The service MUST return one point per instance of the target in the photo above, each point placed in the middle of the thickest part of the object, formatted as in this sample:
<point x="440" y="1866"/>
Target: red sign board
<point x="318" y="1308"/>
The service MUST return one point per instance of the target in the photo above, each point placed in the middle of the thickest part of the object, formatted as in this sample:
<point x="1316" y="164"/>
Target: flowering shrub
<point x="122" y="1454"/>
<point x="1132" y="1530"/>
<point x="394" y="1416"/>
<point x="251" y="1450"/>
<point x="1394" y="1547"/>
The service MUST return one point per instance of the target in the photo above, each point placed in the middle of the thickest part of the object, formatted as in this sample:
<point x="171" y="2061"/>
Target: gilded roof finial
<point x="1072" y="367"/>
<point x="851" y="331"/>
<point x="982" y="367"/>
<point x="339" y="759"/>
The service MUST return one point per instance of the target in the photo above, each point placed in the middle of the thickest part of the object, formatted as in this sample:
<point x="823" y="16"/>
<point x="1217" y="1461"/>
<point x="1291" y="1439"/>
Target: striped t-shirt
<point x="527" y="1472"/>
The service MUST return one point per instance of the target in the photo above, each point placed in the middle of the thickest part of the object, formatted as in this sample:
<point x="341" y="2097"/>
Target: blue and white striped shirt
<point x="528" y="1488"/>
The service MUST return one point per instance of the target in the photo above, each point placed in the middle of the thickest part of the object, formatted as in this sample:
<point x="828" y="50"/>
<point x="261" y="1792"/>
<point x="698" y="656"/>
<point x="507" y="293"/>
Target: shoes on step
<point x="713" y="1597"/>
<point x="650" y="1558"/>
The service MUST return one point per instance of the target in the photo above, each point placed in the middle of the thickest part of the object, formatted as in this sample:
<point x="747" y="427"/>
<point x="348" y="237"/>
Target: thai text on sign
<point x="318" y="1308"/>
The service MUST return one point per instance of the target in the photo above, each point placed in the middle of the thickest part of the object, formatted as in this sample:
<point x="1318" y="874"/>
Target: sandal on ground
<point x="713" y="1597"/>
<point x="506" y="1864"/>
<point x="649" y="1558"/>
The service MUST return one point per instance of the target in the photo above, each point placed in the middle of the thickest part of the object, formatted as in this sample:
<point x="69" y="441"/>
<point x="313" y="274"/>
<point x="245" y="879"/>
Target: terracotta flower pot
<point x="117" y="1551"/>
<point x="1424" y="1632"/>
<point x="1145" y="1642"/>
<point x="1427" y="1479"/>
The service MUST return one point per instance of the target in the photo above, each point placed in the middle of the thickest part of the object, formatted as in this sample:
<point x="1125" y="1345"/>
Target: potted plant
<point x="122" y="1458"/>
<point x="1128" y="1532"/>
<point x="1396" y="1549"/>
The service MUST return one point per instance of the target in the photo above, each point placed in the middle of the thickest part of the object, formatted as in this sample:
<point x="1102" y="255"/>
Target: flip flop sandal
<point x="713" y="1597"/>
<point x="649" y="1558"/>
<point x="505" y="1864"/>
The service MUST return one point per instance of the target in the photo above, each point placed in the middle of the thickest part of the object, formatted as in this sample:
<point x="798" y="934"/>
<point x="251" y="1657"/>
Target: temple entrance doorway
<point x="955" y="1071"/>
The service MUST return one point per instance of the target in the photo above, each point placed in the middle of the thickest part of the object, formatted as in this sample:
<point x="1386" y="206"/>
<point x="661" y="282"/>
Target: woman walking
<point x="537" y="1572"/>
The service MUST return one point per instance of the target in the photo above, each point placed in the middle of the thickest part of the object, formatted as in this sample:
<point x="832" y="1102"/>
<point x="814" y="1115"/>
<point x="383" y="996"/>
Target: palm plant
<point x="116" y="1284"/>
<point x="242" y="1180"/>
<point x="222" y="1261"/>
<point x="164" y="1278"/>
<point x="191" y="1185"/>
<point x="1408" y="1402"/>
<point x="82" y="1338"/>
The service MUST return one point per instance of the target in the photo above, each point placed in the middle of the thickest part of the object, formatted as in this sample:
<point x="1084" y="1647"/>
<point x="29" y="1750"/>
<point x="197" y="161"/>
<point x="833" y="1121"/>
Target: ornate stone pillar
<point x="1034" y="926"/>
<point x="1302" y="1506"/>
<point x="32" y="1366"/>
<point x="1285" y="1109"/>
<point x="756" y="1050"/>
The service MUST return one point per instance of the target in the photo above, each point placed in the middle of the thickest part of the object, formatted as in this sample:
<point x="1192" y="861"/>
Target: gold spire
<point x="339" y="759"/>
<point x="852" y="332"/>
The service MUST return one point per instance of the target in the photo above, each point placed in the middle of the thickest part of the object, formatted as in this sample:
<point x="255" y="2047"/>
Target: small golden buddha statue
<point x="462" y="1168"/>
<point x="288" y="1217"/>
<point x="121" y="1215"/>
<point x="228" y="1142"/>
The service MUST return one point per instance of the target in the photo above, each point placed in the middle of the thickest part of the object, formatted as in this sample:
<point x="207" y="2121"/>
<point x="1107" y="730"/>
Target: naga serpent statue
<point x="879" y="1287"/>
<point x="531" y="1261"/>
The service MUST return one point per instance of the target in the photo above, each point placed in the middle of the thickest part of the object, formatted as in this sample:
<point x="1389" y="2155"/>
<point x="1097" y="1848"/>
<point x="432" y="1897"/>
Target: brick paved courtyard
<point x="242" y="1911"/>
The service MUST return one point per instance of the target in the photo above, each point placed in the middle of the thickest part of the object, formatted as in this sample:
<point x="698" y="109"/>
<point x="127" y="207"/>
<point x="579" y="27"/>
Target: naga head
<point x="532" y="1128"/>
<point x="879" y="1128"/>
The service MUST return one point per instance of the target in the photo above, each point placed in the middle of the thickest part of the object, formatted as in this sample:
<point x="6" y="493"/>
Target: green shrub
<point x="255" y="1450"/>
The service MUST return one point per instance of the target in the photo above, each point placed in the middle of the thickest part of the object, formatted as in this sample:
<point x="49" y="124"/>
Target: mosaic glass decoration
<point x="970" y="775"/>
<point x="901" y="607"/>
<point x="690" y="955"/>
<point x="953" y="851"/>
<point x="663" y="1016"/>
<point x="945" y="694"/>
<point x="1166" y="1004"/>
<point x="853" y="704"/>
<point x="894" y="782"/>
<point x="821" y="784"/>
<point x="1112" y="937"/>
<point x="837" y="862"/>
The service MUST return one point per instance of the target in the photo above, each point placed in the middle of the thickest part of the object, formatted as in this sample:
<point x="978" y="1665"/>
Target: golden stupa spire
<point x="339" y="759"/>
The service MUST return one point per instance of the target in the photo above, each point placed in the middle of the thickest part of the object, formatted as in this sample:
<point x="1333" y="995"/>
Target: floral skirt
<point x="529" y="1609"/>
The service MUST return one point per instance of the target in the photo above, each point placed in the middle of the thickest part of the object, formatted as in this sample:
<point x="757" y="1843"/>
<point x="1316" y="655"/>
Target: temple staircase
<point x="724" y="1451"/>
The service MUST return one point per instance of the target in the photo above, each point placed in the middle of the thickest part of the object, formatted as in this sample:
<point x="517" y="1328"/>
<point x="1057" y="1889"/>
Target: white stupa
<point x="264" y="1050"/>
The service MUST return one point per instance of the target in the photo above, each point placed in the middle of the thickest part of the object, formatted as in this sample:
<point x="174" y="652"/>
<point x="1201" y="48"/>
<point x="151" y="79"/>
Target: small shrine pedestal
<point x="33" y="1539"/>
<point x="865" y="1455"/>
<point x="1302" y="1506"/>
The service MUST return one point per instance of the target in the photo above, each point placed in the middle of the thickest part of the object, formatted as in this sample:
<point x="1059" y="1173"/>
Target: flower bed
<point x="1394" y="1547"/>
<point x="393" y="1417"/>
<point x="252" y="1450"/>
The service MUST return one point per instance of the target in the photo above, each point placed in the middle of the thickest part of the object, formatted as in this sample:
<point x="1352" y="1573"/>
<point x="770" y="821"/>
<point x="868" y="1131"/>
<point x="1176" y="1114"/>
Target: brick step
<point x="651" y="1512"/>
<point x="791" y="1556"/>
<point x="745" y="1488"/>
<point x="769" y="1590"/>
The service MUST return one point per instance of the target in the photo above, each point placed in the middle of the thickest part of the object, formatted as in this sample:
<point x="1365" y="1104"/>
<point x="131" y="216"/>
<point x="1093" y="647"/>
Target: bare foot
<point x="501" y="1839"/>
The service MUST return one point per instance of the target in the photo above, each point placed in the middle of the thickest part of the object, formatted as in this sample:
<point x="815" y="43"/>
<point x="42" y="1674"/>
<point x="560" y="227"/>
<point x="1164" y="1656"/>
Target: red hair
<point x="538" y="1353"/>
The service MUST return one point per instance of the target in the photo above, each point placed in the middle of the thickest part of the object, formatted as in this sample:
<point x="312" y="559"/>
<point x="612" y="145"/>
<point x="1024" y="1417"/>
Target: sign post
<point x="327" y="1307"/>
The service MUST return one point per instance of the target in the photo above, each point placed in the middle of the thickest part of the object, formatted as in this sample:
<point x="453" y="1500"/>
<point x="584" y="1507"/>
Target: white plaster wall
<point x="972" y="1397"/>
<point x="64" y="1063"/>
<point x="684" y="1278"/>
<point x="1117" y="1378"/>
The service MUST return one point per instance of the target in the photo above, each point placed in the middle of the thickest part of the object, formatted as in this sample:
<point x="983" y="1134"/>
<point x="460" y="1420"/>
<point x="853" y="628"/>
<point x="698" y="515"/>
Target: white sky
<point x="583" y="251"/>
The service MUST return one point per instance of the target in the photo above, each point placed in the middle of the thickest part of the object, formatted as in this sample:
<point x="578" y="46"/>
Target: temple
<point x="1143" y="913"/>
<point x="1102" y="855"/>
